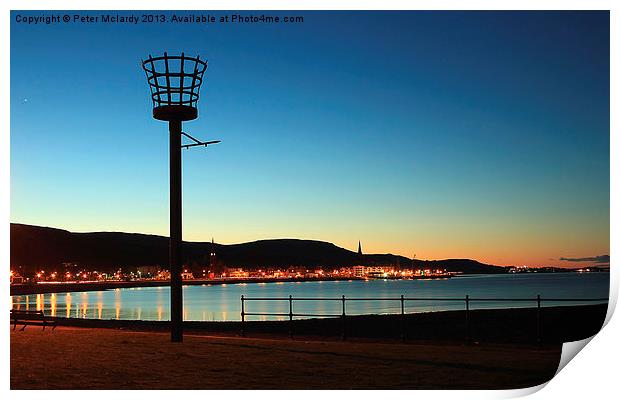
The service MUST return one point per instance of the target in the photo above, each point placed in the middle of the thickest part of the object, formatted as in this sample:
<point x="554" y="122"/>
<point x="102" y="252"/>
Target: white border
<point x="593" y="373"/>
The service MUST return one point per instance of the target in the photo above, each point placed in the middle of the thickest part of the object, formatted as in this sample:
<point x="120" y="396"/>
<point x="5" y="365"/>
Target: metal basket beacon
<point x="175" y="83"/>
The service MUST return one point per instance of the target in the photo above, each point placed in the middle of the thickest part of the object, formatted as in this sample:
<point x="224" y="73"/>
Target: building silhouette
<point x="212" y="257"/>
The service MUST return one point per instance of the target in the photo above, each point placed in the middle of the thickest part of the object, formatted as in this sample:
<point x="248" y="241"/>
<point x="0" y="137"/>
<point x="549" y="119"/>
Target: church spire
<point x="359" y="248"/>
<point x="212" y="259"/>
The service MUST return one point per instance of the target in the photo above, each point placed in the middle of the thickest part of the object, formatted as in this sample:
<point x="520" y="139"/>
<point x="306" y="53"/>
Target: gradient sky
<point x="440" y="134"/>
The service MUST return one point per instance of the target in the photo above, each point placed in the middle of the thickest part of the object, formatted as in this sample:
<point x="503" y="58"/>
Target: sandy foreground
<point x="98" y="358"/>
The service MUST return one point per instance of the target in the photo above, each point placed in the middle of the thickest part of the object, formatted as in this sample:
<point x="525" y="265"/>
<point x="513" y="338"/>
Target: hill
<point x="38" y="247"/>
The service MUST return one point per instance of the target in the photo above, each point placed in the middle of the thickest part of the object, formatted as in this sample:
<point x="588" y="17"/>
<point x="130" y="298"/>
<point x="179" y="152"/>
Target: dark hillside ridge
<point x="37" y="247"/>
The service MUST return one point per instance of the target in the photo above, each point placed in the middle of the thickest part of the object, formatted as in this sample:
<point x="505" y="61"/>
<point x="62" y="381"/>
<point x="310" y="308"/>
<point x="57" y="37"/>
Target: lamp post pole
<point x="174" y="101"/>
<point x="176" y="234"/>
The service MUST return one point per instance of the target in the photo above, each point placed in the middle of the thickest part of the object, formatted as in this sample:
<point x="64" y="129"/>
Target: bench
<point x="27" y="317"/>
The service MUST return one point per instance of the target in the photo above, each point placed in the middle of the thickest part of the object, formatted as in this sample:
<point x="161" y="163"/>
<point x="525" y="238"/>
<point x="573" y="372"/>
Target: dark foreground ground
<point x="97" y="358"/>
<point x="502" y="353"/>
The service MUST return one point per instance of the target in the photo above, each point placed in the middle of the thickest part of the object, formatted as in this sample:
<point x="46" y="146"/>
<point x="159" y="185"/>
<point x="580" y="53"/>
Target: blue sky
<point x="440" y="134"/>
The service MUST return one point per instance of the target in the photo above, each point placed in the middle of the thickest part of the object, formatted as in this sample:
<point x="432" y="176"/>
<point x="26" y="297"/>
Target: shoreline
<point x="42" y="288"/>
<point x="62" y="287"/>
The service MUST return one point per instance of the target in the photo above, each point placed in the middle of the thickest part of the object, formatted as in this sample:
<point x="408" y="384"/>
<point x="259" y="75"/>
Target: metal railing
<point x="402" y="299"/>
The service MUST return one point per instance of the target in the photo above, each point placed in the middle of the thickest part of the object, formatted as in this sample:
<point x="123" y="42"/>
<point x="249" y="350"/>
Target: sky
<point x="480" y="135"/>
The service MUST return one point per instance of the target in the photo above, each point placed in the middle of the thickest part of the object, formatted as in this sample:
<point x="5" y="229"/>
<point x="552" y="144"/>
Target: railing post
<point x="402" y="318"/>
<point x="343" y="322"/>
<point x="290" y="315"/>
<point x="242" y="315"/>
<point x="467" y="322"/>
<point x="538" y="319"/>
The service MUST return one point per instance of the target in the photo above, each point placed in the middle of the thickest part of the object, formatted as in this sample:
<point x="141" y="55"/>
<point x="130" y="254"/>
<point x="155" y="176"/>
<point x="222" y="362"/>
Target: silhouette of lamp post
<point x="175" y="86"/>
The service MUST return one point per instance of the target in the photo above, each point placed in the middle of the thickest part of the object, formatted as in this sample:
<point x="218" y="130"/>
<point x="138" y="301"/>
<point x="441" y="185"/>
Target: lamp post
<point x="175" y="88"/>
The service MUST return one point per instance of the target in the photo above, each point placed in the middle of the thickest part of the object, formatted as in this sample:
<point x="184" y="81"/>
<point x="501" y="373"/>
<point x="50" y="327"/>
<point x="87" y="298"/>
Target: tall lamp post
<point x="175" y="88"/>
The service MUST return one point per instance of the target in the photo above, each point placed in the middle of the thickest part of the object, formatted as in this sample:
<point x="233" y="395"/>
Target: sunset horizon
<point x="567" y="261"/>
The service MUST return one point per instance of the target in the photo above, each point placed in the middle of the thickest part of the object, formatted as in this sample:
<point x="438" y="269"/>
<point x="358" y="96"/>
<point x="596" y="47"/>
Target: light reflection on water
<point x="68" y="304"/>
<point x="222" y="302"/>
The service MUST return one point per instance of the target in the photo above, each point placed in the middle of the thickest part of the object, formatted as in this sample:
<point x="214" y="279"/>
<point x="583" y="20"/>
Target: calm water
<point x="222" y="302"/>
